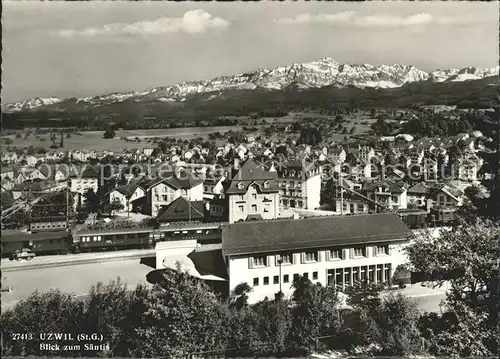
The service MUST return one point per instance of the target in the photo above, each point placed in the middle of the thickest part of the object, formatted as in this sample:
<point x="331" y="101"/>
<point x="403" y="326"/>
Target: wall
<point x="240" y="271"/>
<point x="248" y="200"/>
<point x="312" y="190"/>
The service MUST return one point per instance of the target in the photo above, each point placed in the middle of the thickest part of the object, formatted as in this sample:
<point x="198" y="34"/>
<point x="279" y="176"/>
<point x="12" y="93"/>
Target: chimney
<point x="236" y="164"/>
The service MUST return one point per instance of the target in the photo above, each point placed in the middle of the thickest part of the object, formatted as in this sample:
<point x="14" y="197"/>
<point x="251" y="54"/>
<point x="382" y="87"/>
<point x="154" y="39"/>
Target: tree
<point x="109" y="133"/>
<point x="389" y="323"/>
<point x="51" y="312"/>
<point x="315" y="314"/>
<point x="467" y="258"/>
<point x="181" y="318"/>
<point x="114" y="206"/>
<point x="240" y="292"/>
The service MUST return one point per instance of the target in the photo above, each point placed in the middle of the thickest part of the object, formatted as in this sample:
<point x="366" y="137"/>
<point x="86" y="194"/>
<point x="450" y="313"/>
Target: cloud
<point x="193" y="22"/>
<point x="308" y="18"/>
<point x="380" y="20"/>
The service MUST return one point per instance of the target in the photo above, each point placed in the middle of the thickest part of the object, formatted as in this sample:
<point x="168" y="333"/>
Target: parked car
<point x="26" y="253"/>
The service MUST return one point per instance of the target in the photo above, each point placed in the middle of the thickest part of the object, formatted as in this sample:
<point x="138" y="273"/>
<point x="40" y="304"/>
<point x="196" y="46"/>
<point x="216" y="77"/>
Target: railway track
<point x="74" y="259"/>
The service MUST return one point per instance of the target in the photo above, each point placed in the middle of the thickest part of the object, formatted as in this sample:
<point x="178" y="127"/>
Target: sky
<point x="93" y="48"/>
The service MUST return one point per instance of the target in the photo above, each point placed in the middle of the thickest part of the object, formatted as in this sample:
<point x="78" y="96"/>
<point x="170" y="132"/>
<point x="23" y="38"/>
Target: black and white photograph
<point x="264" y="179"/>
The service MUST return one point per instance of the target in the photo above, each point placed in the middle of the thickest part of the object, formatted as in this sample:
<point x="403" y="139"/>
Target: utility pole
<point x="67" y="206"/>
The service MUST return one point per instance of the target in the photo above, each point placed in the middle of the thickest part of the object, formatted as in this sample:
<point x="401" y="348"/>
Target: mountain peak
<point x="314" y="74"/>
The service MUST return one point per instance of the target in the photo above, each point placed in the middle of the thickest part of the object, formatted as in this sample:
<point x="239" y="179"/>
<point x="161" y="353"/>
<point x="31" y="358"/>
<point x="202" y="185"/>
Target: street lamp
<point x="280" y="261"/>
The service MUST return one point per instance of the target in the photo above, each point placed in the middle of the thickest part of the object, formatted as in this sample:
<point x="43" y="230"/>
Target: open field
<point x="94" y="139"/>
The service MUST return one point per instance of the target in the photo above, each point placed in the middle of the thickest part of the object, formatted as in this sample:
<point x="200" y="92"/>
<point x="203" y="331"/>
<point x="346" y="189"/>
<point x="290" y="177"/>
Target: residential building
<point x="466" y="169"/>
<point x="388" y="193"/>
<point x="418" y="194"/>
<point x="299" y="185"/>
<point x="182" y="210"/>
<point x="338" y="250"/>
<point x="445" y="196"/>
<point x="252" y="193"/>
<point x="10" y="157"/>
<point x="127" y="195"/>
<point x="7" y="172"/>
<point x="82" y="179"/>
<point x="163" y="190"/>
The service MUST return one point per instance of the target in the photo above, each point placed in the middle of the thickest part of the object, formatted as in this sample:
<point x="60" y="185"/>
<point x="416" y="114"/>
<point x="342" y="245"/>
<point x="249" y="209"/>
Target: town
<point x="281" y="179"/>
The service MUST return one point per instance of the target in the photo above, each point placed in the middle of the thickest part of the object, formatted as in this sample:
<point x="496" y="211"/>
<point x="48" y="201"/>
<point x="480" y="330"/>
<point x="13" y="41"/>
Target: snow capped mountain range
<point x="325" y="72"/>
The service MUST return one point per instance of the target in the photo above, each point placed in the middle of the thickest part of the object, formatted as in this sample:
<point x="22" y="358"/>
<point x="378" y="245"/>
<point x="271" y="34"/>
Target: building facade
<point x="252" y="193"/>
<point x="300" y="185"/>
<point x="339" y="250"/>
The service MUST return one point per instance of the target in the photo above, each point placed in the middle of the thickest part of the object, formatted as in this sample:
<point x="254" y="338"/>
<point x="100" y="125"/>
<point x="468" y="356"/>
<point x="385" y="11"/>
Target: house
<point x="182" y="210"/>
<point x="252" y="193"/>
<point x="213" y="186"/>
<point x="148" y="151"/>
<point x="338" y="154"/>
<point x="335" y="250"/>
<point x="37" y="187"/>
<point x="10" y="157"/>
<point x="446" y="196"/>
<point x="388" y="193"/>
<point x="429" y="169"/>
<point x="83" y="178"/>
<point x="466" y="169"/>
<point x="32" y="160"/>
<point x="418" y="194"/>
<point x="57" y="173"/>
<point x="165" y="189"/>
<point x="28" y="174"/>
<point x="7" y="172"/>
<point x="80" y="155"/>
<point x="127" y="195"/>
<point x="365" y="153"/>
<point x="299" y="185"/>
<point x="7" y="184"/>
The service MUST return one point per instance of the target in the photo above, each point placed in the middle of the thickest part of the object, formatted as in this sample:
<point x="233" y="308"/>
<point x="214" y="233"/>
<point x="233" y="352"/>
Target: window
<point x="254" y="195"/>
<point x="311" y="256"/>
<point x="286" y="258"/>
<point x="266" y="208"/>
<point x="305" y="275"/>
<point x="286" y="278"/>
<point x="394" y="198"/>
<point x="241" y="209"/>
<point x="241" y="185"/>
<point x="276" y="279"/>
<point x="359" y="252"/>
<point x="295" y="277"/>
<point x="381" y="250"/>
<point x="335" y="254"/>
<point x="315" y="275"/>
<point x="266" y="280"/>
<point x="267" y="185"/>
<point x="361" y="207"/>
<point x="255" y="282"/>
<point x="260" y="261"/>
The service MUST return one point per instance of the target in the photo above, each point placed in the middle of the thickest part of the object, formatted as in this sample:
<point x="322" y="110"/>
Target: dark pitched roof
<point x="129" y="189"/>
<point x="182" y="210"/>
<point x="252" y="172"/>
<point x="393" y="187"/>
<point x="181" y="180"/>
<point x="419" y="188"/>
<point x="297" y="234"/>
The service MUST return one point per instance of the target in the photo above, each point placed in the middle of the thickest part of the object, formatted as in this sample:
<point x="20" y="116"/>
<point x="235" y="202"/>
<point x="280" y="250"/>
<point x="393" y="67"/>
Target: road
<point x="74" y="259"/>
<point x="77" y="279"/>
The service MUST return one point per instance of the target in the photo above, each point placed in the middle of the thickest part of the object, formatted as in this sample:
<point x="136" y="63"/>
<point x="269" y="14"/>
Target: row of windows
<point x="286" y="278"/>
<point x="267" y="207"/>
<point x="56" y="225"/>
<point x="254" y="197"/>
<point x="380" y="273"/>
<point x="313" y="256"/>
